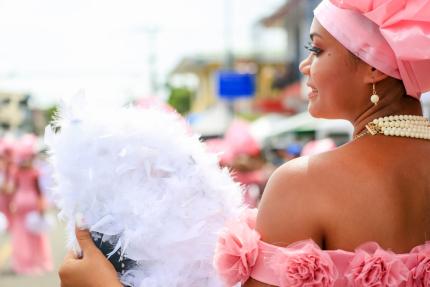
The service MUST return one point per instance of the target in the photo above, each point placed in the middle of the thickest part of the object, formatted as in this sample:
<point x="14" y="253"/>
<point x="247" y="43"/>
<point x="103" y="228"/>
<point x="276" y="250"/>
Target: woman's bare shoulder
<point x="303" y="194"/>
<point x="292" y="204"/>
<point x="352" y="190"/>
<point x="309" y="175"/>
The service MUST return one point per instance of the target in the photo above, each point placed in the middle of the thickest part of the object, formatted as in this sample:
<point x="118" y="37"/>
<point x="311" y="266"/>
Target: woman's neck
<point x="392" y="103"/>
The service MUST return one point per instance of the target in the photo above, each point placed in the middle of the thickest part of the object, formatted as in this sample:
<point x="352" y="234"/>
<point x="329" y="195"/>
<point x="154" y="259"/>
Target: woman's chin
<point x="317" y="111"/>
<point x="313" y="110"/>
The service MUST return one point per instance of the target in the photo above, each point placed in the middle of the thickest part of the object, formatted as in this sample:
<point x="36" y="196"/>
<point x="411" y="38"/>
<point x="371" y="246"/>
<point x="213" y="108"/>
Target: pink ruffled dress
<point x="6" y="198"/>
<point x="240" y="254"/>
<point x="31" y="253"/>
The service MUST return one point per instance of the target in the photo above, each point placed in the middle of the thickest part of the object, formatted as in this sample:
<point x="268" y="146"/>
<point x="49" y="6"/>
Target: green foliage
<point x="180" y="99"/>
<point x="50" y="113"/>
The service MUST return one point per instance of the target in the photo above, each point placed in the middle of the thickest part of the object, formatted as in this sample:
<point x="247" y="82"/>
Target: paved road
<point x="8" y="279"/>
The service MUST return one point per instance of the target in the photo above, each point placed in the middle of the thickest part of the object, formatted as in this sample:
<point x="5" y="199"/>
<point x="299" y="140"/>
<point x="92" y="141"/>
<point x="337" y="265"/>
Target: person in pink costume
<point x="242" y="154"/>
<point x="354" y="216"/>
<point x="6" y="182"/>
<point x="31" y="253"/>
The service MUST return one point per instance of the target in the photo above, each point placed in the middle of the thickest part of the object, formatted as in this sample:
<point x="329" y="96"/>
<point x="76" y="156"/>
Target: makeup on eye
<point x="315" y="50"/>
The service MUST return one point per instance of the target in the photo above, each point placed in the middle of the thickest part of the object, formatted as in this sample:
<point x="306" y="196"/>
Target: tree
<point x="180" y="98"/>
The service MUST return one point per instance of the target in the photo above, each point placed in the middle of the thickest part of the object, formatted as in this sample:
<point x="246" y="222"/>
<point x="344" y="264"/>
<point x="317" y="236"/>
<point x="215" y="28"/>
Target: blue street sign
<point x="232" y="85"/>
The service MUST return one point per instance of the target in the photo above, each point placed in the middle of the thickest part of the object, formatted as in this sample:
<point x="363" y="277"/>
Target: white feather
<point x="140" y="175"/>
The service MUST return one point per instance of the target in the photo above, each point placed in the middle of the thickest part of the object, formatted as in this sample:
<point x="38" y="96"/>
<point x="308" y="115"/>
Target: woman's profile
<point x="357" y="215"/>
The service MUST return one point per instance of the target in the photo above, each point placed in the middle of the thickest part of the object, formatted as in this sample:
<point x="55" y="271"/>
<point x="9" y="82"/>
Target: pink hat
<point x="391" y="35"/>
<point x="26" y="148"/>
<point x="6" y="146"/>
<point x="238" y="140"/>
<point x="221" y="147"/>
<point x="239" y="137"/>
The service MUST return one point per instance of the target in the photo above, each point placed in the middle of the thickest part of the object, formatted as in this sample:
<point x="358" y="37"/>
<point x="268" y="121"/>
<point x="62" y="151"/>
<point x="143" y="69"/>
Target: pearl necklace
<point x="399" y="126"/>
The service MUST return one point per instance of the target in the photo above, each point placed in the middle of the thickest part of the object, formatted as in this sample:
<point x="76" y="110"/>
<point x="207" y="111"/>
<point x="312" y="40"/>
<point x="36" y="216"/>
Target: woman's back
<point x="377" y="189"/>
<point x="372" y="190"/>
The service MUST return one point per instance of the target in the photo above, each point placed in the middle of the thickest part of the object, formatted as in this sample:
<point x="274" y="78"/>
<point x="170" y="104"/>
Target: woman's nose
<point x="305" y="65"/>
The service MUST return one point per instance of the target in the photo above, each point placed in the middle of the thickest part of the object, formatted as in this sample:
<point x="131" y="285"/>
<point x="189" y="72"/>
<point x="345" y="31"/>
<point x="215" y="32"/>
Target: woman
<point x="368" y="60"/>
<point x="6" y="183"/>
<point x="31" y="253"/>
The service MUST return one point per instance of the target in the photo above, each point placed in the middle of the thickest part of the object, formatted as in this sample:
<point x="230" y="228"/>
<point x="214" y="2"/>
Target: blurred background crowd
<point x="230" y="68"/>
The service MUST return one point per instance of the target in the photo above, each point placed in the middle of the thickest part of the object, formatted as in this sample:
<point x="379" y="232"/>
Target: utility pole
<point x="228" y="48"/>
<point x="228" y="34"/>
<point x="151" y="33"/>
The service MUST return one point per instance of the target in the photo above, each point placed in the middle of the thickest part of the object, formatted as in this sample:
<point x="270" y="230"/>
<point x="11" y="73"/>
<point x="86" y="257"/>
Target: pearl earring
<point x="374" y="98"/>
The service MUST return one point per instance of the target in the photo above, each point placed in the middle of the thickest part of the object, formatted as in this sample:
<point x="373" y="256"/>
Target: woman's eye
<point x="316" y="51"/>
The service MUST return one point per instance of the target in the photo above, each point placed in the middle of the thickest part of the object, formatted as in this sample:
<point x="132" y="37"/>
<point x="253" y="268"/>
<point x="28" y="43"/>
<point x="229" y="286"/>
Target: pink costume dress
<point x="5" y="198"/>
<point x="31" y="252"/>
<point x="240" y="254"/>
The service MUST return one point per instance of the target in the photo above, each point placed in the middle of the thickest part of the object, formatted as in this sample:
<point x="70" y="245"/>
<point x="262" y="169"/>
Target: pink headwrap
<point x="391" y="35"/>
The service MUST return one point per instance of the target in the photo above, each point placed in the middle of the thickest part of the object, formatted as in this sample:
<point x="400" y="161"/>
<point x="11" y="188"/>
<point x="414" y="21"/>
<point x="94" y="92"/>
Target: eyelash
<point x="316" y="51"/>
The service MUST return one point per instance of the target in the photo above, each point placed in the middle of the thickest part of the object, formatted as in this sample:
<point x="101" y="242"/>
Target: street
<point x="8" y="279"/>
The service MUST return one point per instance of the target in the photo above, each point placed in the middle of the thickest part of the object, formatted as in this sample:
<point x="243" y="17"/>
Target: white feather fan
<point x="146" y="185"/>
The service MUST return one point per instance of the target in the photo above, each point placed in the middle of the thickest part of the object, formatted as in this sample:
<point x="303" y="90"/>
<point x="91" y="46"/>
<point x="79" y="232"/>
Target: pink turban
<point x="391" y="35"/>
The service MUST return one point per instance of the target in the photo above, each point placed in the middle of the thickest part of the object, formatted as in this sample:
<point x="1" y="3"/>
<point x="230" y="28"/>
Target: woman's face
<point x="335" y="80"/>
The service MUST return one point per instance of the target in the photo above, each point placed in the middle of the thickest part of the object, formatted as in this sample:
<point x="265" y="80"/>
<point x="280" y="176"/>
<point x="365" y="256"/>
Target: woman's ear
<point x="372" y="75"/>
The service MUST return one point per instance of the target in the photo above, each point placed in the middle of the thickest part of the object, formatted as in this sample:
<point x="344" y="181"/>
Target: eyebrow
<point x="312" y="35"/>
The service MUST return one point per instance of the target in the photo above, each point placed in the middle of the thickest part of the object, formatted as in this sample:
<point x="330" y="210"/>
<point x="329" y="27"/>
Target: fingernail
<point x="79" y="220"/>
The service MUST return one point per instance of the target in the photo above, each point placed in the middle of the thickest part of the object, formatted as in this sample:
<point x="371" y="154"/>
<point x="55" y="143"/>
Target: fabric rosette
<point x="419" y="266"/>
<point x="304" y="264"/>
<point x="373" y="266"/>
<point x="248" y="216"/>
<point x="236" y="251"/>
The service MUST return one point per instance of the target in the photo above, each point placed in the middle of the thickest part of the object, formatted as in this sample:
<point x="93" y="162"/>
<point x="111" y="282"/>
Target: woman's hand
<point x="92" y="270"/>
<point x="42" y="205"/>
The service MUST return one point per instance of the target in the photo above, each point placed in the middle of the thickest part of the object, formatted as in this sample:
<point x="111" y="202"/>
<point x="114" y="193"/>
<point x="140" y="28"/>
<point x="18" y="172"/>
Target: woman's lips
<point x="312" y="94"/>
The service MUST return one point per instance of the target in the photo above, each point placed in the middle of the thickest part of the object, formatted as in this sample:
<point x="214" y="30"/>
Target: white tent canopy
<point x="213" y="122"/>
<point x="274" y="125"/>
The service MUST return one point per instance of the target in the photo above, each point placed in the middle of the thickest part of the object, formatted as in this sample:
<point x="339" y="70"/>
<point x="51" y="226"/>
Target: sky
<point x="54" y="48"/>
